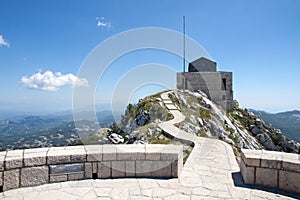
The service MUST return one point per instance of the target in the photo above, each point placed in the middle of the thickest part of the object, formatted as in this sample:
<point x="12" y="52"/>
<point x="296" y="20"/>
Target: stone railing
<point x="271" y="169"/>
<point x="32" y="167"/>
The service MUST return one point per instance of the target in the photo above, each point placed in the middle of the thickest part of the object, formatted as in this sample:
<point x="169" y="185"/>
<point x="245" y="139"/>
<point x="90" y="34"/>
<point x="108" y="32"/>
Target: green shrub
<point x="204" y="113"/>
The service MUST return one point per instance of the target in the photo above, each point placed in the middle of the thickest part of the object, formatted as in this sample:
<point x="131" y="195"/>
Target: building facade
<point x="203" y="75"/>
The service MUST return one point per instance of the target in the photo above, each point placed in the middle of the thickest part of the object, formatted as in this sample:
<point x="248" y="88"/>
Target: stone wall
<point x="31" y="167"/>
<point x="271" y="169"/>
<point x="211" y="83"/>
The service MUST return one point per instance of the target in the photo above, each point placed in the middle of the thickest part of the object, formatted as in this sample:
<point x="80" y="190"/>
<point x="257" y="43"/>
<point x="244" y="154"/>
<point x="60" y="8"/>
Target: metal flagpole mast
<point x="184" y="81"/>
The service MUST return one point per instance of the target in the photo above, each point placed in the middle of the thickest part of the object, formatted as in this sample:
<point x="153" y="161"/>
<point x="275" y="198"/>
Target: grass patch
<point x="203" y="134"/>
<point x="204" y="113"/>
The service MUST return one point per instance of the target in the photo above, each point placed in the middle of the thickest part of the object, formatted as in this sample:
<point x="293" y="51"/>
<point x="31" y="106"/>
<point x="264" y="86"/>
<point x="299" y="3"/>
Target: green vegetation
<point x="227" y="128"/>
<point x="159" y="139"/>
<point x="277" y="138"/>
<point x="202" y="133"/>
<point x="204" y="113"/>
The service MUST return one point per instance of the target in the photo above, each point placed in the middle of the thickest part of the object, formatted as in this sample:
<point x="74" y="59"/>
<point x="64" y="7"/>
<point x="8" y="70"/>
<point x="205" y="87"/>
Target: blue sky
<point x="258" y="40"/>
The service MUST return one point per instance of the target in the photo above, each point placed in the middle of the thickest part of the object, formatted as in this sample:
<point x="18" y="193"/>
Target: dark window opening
<point x="95" y="176"/>
<point x="1" y="189"/>
<point x="224" y="84"/>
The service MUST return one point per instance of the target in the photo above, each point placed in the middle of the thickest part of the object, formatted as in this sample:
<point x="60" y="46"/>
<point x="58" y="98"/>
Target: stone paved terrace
<point x="211" y="172"/>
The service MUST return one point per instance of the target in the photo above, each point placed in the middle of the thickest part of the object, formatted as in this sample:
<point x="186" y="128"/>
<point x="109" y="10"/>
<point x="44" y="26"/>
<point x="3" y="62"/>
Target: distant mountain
<point x="287" y="122"/>
<point x="57" y="129"/>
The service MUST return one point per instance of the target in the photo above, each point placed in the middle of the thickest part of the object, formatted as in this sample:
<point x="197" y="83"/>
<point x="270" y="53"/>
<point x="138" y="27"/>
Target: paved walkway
<point x="211" y="172"/>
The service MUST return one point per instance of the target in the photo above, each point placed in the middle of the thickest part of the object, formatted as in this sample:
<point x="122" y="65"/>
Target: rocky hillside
<point x="240" y="128"/>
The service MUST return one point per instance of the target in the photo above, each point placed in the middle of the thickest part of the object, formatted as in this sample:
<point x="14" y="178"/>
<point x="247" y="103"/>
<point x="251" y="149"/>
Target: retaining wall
<point x="271" y="169"/>
<point x="32" y="167"/>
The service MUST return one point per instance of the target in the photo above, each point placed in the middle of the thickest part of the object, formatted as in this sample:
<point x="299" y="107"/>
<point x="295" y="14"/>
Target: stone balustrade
<point x="271" y="169"/>
<point x="32" y="167"/>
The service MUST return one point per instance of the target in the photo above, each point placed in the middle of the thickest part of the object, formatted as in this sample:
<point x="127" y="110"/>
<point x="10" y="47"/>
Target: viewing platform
<point x="210" y="172"/>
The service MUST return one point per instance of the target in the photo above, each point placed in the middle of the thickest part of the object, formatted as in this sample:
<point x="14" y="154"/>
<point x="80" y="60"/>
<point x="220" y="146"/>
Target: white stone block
<point x="94" y="165"/>
<point x="130" y="152"/>
<point x="251" y="157"/>
<point x="177" y="166"/>
<point x="58" y="178"/>
<point x="14" y="159"/>
<point x="1" y="178"/>
<point x="88" y="170"/>
<point x="271" y="159"/>
<point x="75" y="176"/>
<point x="117" y="169"/>
<point x="104" y="169"/>
<point x="153" y="152"/>
<point x="158" y="169"/>
<point x="130" y="168"/>
<point x="266" y="177"/>
<point x="2" y="156"/>
<point x="171" y="152"/>
<point x="11" y="179"/>
<point x="32" y="176"/>
<point x="109" y="152"/>
<point x="35" y="157"/>
<point x="248" y="173"/>
<point x="59" y="155"/>
<point x="291" y="162"/>
<point x="164" y="170"/>
<point x="289" y="181"/>
<point x="94" y="152"/>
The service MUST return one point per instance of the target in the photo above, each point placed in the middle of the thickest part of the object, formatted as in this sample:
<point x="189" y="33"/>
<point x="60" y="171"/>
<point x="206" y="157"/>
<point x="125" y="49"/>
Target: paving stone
<point x="14" y="159"/>
<point x="103" y="192"/>
<point x="32" y="176"/>
<point x="11" y="179"/>
<point x="163" y="192"/>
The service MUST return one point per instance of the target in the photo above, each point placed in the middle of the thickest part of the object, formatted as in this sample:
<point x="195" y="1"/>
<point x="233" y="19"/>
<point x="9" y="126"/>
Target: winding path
<point x="211" y="172"/>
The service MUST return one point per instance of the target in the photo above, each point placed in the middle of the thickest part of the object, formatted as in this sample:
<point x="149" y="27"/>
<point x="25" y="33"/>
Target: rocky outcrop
<point x="239" y="128"/>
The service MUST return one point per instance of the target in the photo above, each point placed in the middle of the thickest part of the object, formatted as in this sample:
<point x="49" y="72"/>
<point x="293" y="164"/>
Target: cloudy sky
<point x="43" y="44"/>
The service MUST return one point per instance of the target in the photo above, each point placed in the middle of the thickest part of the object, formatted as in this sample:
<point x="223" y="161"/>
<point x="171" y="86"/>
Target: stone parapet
<point x="271" y="169"/>
<point x="31" y="167"/>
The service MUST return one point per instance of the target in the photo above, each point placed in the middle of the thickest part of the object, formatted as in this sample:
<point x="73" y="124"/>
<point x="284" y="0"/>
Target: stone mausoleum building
<point x="203" y="75"/>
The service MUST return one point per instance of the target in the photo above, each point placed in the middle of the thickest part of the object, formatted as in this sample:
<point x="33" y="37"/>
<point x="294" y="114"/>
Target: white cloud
<point x="102" y="23"/>
<point x="3" y="42"/>
<point x="50" y="81"/>
<point x="99" y="24"/>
